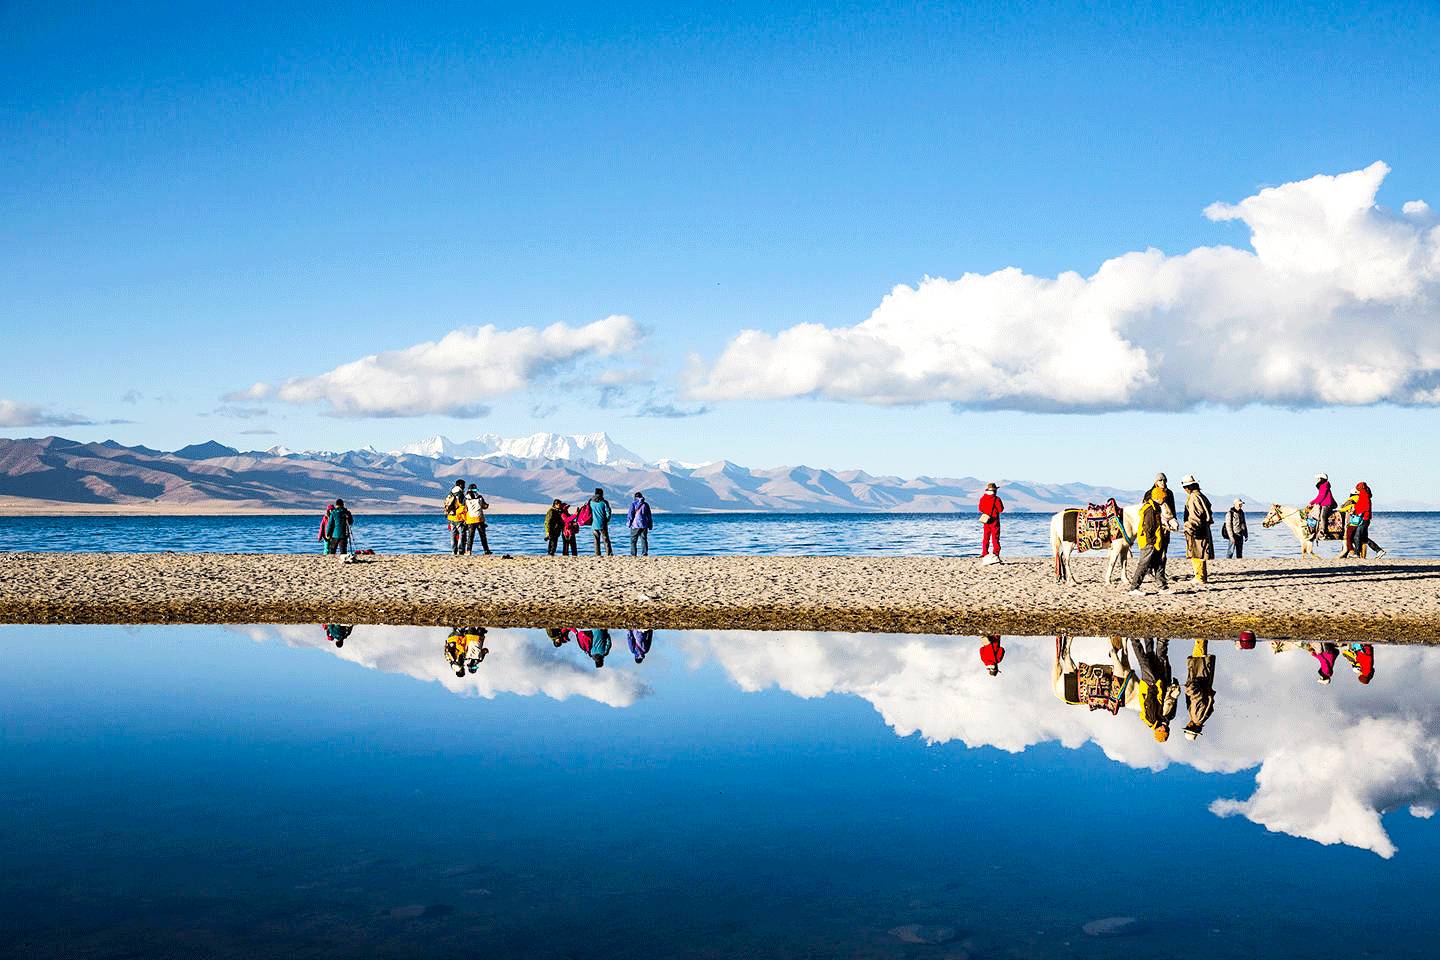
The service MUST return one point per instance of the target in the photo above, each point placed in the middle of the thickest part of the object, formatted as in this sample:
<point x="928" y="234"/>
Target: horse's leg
<point x="1070" y="563"/>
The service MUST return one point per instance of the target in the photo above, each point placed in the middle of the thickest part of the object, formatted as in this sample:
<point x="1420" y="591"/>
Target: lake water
<point x="1403" y="534"/>
<point x="263" y="791"/>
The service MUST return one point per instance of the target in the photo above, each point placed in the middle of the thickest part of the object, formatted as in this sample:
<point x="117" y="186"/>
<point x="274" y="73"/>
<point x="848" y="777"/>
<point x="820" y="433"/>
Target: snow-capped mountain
<point x="596" y="448"/>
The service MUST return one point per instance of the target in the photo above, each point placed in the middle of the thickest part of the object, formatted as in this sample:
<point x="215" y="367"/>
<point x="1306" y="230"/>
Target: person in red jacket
<point x="992" y="653"/>
<point x="991" y="506"/>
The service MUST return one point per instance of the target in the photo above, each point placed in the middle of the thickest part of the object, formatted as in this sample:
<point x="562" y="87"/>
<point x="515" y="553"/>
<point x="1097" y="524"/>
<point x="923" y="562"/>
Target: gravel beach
<point x="1396" y="601"/>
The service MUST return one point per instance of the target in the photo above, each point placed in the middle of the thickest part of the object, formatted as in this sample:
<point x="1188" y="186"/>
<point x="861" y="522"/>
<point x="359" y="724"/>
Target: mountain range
<point x="53" y="474"/>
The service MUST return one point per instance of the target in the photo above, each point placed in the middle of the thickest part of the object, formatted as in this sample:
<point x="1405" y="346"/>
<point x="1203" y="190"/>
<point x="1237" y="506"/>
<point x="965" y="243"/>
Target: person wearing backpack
<point x="640" y="521"/>
<point x="595" y="514"/>
<point x="337" y="529"/>
<point x="455" y="515"/>
<point x="475" y="507"/>
<point x="554" y="526"/>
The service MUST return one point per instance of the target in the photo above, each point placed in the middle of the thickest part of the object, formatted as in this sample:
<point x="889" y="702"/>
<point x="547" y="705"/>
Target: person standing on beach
<point x="599" y="521"/>
<point x="454" y="508"/>
<point x="1326" y="654"/>
<point x="1322" y="506"/>
<point x="1167" y="519"/>
<point x="991" y="653"/>
<point x="640" y="521"/>
<point x="554" y="526"/>
<point x="337" y="529"/>
<point x="1149" y="559"/>
<point x="1199" y="542"/>
<point x="1158" y="695"/>
<point x="475" y="507"/>
<point x="569" y="528"/>
<point x="1234" y="530"/>
<point x="991" y="506"/>
<point x="1199" y="688"/>
<point x="1357" y="532"/>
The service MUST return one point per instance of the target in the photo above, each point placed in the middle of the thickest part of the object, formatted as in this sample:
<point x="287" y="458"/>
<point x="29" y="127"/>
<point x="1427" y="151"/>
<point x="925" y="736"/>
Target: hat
<point x="1189" y="480"/>
<point x="472" y="486"/>
<point x="1161" y="478"/>
<point x="1322" y="476"/>
<point x="991" y="486"/>
<point x="1191" y="734"/>
<point x="1239" y="502"/>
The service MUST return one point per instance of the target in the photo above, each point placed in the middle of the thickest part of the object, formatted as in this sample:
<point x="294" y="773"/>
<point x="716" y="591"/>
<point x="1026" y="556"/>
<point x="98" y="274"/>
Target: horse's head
<point x="1273" y="517"/>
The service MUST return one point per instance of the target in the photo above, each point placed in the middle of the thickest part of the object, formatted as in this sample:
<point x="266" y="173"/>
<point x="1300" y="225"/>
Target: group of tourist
<point x="465" y="513"/>
<point x="1158" y="518"/>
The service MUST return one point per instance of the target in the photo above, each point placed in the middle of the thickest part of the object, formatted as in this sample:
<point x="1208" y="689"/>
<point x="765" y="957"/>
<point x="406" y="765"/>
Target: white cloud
<point x="520" y="662"/>
<point x="1329" y="761"/>
<point x="1337" y="303"/>
<point x="15" y="414"/>
<point x="453" y="375"/>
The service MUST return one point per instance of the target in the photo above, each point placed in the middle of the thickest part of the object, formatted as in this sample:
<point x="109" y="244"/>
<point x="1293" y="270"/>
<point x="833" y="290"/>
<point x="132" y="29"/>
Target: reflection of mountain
<point x="59" y="474"/>
<point x="521" y="662"/>
<point x="1330" y="759"/>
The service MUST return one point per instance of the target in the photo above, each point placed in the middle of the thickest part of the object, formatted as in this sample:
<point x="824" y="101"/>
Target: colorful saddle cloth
<point x="1100" y="688"/>
<point x="1095" y="527"/>
<point x="1335" y="529"/>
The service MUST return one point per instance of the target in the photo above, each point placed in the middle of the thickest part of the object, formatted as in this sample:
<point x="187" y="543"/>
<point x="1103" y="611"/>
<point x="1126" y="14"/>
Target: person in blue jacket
<point x="599" y="521"/>
<point x="640" y="641"/>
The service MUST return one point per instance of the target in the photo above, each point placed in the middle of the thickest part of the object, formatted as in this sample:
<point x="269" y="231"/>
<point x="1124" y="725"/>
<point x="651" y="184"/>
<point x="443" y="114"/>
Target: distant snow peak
<point x="596" y="448"/>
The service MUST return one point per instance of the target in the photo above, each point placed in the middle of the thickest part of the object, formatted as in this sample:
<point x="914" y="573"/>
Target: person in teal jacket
<point x="599" y="521"/>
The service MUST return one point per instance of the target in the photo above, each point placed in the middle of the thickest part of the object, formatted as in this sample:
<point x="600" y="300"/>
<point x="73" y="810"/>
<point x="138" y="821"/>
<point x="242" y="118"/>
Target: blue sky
<point x="198" y="200"/>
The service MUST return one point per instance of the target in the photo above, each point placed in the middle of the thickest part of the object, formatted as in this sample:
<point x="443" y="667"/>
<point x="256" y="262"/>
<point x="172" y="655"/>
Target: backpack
<point x="584" y="515"/>
<point x="452" y="503"/>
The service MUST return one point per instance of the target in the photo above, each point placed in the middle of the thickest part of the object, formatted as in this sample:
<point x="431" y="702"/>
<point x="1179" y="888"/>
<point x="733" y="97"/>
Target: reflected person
<point x="595" y="644"/>
<point x="1199" y="688"/>
<point x="1157" y="696"/>
<point x="639" y="641"/>
<point x="991" y="653"/>
<point x="338" y="632"/>
<point x="1361" y="657"/>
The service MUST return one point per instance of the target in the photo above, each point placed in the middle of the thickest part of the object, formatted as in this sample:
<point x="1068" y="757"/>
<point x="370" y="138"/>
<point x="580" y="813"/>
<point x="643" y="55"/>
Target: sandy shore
<point x="1395" y="601"/>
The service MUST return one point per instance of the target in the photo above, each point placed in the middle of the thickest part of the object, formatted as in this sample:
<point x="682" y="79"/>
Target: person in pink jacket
<point x="1325" y="500"/>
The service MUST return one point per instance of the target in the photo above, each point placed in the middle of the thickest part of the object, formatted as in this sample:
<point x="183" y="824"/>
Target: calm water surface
<point x="1403" y="534"/>
<point x="263" y="791"/>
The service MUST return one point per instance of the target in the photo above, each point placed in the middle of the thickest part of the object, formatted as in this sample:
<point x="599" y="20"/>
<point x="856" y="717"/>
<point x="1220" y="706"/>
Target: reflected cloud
<point x="1329" y="760"/>
<point x="521" y="662"/>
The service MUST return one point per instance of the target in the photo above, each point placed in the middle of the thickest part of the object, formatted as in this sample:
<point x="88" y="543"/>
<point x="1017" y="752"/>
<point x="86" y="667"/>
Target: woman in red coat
<point x="992" y="653"/>
<point x="991" y="506"/>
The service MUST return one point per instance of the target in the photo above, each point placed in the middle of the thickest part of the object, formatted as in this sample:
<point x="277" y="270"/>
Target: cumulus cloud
<point x="15" y="413"/>
<point x="453" y="375"/>
<point x="1336" y="302"/>
<point x="1328" y="761"/>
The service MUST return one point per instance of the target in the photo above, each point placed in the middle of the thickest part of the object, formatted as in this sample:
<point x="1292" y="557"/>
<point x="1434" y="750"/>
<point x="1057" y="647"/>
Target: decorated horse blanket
<point x="1096" y="686"/>
<point x="1093" y="528"/>
<point x="1335" y="529"/>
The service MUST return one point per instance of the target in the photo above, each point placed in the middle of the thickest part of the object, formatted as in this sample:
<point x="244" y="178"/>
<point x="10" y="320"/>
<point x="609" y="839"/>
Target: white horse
<point x="1295" y="519"/>
<point x="1119" y="554"/>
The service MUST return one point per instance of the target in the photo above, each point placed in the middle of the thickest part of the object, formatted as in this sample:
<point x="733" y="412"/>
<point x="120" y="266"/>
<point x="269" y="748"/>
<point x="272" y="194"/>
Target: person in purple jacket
<point x="640" y="641"/>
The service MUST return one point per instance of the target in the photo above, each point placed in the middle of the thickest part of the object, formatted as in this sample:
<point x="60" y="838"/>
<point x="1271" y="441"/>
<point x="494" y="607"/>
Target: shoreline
<point x="1387" y="601"/>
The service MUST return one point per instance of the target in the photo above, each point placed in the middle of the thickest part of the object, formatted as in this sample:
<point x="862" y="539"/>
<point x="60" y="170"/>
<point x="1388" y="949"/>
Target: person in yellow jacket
<point x="455" y="514"/>
<point x="1156" y="695"/>
<point x="1150" y="556"/>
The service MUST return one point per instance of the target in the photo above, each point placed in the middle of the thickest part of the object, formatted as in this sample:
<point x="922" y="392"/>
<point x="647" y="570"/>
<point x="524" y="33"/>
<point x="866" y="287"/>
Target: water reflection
<point x="1328" y="759"/>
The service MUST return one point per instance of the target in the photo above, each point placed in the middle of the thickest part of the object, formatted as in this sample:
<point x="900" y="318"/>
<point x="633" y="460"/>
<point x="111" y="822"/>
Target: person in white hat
<point x="1199" y="688"/>
<point x="1199" y="543"/>
<point x="1234" y="530"/>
